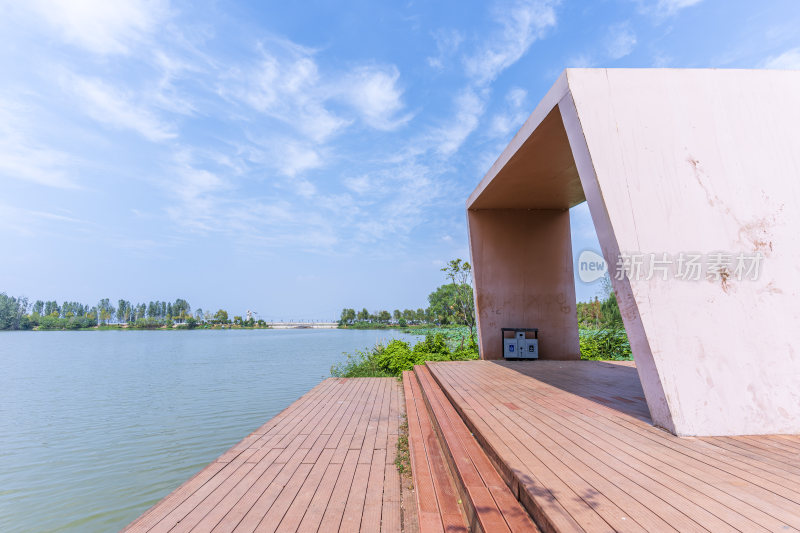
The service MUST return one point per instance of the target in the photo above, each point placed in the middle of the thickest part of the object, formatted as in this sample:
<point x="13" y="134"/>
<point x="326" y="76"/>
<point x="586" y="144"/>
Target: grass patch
<point x="403" y="459"/>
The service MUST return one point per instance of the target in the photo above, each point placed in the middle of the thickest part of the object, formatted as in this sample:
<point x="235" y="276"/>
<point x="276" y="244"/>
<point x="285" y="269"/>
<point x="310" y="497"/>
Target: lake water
<point x="97" y="426"/>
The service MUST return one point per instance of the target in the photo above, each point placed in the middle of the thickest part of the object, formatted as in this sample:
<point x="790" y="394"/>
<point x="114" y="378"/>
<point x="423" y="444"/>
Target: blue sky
<point x="295" y="158"/>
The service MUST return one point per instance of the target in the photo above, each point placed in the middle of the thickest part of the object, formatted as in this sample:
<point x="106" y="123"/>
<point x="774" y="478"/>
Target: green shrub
<point x="397" y="356"/>
<point x="609" y="344"/>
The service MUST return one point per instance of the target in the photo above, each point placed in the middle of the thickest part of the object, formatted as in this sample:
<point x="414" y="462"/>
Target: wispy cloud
<point x="512" y="117"/>
<point x="521" y="24"/>
<point x="664" y="8"/>
<point x="374" y="93"/>
<point x="287" y="85"/>
<point x="670" y="7"/>
<point x="24" y="158"/>
<point x="469" y="106"/>
<point x="100" y="26"/>
<point x="117" y="108"/>
<point x="620" y="40"/>
<point x="788" y="60"/>
<point x="196" y="189"/>
<point x="447" y="43"/>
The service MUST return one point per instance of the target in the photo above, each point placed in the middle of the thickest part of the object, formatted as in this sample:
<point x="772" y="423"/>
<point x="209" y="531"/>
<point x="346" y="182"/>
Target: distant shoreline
<point x="183" y="327"/>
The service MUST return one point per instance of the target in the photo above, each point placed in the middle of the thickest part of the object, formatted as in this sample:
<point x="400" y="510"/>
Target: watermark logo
<point x="689" y="266"/>
<point x="591" y="266"/>
<point x="684" y="266"/>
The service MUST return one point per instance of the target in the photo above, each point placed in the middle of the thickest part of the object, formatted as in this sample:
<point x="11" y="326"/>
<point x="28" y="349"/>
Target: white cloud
<point x="359" y="184"/>
<point x="35" y="163"/>
<point x="522" y="23"/>
<point x="469" y="108"/>
<point x="295" y="158"/>
<point x="23" y="158"/>
<point x="505" y="122"/>
<point x="117" y="108"/>
<point x="516" y="97"/>
<point x="374" y="93"/>
<point x="581" y="61"/>
<point x="288" y="156"/>
<point x="101" y="26"/>
<point x="447" y="43"/>
<point x="664" y="8"/>
<point x="287" y="85"/>
<point x="789" y="60"/>
<point x="670" y="7"/>
<point x="196" y="189"/>
<point x="620" y="40"/>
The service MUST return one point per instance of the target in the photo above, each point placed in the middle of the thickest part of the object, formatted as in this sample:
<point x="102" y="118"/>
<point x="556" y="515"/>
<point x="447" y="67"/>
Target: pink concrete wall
<point x="703" y="161"/>
<point x="522" y="261"/>
<point x="670" y="161"/>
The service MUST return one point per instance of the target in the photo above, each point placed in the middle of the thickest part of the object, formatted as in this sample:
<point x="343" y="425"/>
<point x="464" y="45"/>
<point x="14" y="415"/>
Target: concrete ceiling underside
<point x="541" y="174"/>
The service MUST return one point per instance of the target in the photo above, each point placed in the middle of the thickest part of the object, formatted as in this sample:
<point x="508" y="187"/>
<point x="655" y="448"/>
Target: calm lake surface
<point x="97" y="426"/>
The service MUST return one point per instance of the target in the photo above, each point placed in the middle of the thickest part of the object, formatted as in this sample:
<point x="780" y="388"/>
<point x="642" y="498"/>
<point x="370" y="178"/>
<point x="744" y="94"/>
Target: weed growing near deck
<point x="392" y="359"/>
<point x="403" y="459"/>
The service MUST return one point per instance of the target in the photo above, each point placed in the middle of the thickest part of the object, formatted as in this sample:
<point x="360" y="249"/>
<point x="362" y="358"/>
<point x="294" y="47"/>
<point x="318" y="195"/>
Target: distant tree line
<point x="19" y="314"/>
<point x="450" y="304"/>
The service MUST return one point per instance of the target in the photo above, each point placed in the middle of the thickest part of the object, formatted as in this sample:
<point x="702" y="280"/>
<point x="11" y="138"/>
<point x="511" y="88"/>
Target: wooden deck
<point x="574" y="441"/>
<point x="326" y="463"/>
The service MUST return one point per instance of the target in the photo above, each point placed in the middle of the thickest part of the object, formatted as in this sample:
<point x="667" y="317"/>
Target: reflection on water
<point x="97" y="426"/>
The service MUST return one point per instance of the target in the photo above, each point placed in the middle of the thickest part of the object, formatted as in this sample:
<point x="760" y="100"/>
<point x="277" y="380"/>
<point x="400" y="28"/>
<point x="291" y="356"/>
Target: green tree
<point x="12" y="312"/>
<point x="442" y="303"/>
<point x="348" y="316"/>
<point x="122" y="310"/>
<point x="383" y="316"/>
<point x="397" y="315"/>
<point x="460" y="275"/>
<point x="363" y="315"/>
<point x="38" y="307"/>
<point x="105" y="310"/>
<point x="181" y="309"/>
<point x="221" y="316"/>
<point x="52" y="307"/>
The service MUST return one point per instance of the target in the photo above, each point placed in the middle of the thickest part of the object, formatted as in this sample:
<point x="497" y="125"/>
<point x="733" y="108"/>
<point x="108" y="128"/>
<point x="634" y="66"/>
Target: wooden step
<point x="437" y="499"/>
<point x="489" y="504"/>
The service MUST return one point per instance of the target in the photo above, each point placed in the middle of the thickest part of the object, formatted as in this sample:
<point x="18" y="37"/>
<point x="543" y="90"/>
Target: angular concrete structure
<point x="676" y="162"/>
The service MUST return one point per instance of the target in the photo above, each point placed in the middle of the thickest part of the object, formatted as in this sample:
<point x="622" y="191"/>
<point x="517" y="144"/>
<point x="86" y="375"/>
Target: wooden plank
<point x="391" y="520"/>
<point x="573" y="420"/>
<point x="264" y="502"/>
<point x="288" y="492"/>
<point x="319" y="502"/>
<point x="445" y="495"/>
<point x="285" y="476"/>
<point x="604" y="479"/>
<point x="162" y="508"/>
<point x="178" y="512"/>
<point x="238" y="494"/>
<point x="373" y="502"/>
<point x="332" y="518"/>
<point x="478" y="477"/>
<point x="559" y="406"/>
<point x="427" y="506"/>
